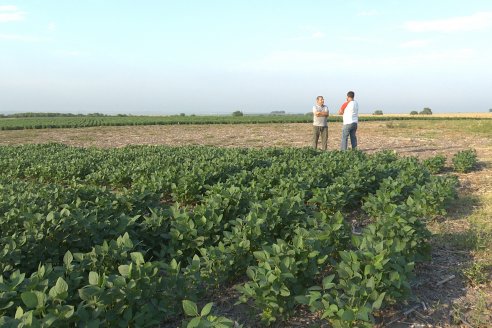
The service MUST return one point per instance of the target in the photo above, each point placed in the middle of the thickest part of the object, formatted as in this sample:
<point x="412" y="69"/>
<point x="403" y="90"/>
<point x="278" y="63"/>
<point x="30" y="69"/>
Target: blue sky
<point x="215" y="57"/>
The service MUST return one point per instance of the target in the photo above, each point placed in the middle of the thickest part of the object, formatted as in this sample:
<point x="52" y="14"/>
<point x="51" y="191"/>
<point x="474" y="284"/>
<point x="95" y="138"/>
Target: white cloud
<point x="292" y="60"/>
<point x="415" y="44"/>
<point x="337" y="61"/>
<point x="317" y="35"/>
<point x="20" y="37"/>
<point x="10" y="13"/>
<point x="478" y="21"/>
<point x="8" y="8"/>
<point x="454" y="56"/>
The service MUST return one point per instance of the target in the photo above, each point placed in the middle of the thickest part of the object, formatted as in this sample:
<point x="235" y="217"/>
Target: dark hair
<point x="319" y="97"/>
<point x="350" y="94"/>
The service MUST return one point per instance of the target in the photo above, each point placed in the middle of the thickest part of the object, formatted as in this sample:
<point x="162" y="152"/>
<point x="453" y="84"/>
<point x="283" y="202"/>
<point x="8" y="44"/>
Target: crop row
<point x="122" y="236"/>
<point x="20" y="123"/>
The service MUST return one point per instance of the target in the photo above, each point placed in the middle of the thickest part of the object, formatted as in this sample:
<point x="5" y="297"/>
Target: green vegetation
<point x="414" y="112"/>
<point x="204" y="319"/>
<point x="90" y="121"/>
<point x="136" y="236"/>
<point x="435" y="164"/>
<point x="465" y="160"/>
<point x="378" y="112"/>
<point x="237" y="113"/>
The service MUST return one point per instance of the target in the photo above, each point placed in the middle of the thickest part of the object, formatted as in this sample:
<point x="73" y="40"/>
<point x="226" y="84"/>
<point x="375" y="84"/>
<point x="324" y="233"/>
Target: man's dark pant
<point x="323" y="130"/>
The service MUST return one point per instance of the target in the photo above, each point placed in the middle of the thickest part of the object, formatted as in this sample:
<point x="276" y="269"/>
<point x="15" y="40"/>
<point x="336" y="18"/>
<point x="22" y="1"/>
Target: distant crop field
<point x="19" y="123"/>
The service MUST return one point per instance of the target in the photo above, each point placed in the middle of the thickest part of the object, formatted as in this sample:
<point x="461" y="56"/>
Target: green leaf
<point x="88" y="292"/>
<point x="67" y="311"/>
<point x="363" y="314"/>
<point x="327" y="282"/>
<point x="19" y="312"/>
<point x="301" y="299"/>
<point x="49" y="319"/>
<point x="16" y="279"/>
<point x="368" y="269"/>
<point x="65" y="212"/>
<point x="137" y="258"/>
<point x="377" y="304"/>
<point x="30" y="299"/>
<point x="93" y="278"/>
<point x="190" y="308"/>
<point x="60" y="290"/>
<point x="284" y="291"/>
<point x="394" y="276"/>
<point x="348" y="315"/>
<point x="313" y="254"/>
<point x="370" y="283"/>
<point x="195" y="322"/>
<point x="6" y="306"/>
<point x="50" y="216"/>
<point x="206" y="309"/>
<point x="67" y="258"/>
<point x="251" y="273"/>
<point x="125" y="270"/>
<point x="260" y="255"/>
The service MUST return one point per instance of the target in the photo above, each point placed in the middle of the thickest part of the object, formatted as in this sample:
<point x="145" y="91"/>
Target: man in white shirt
<point x="350" y="112"/>
<point x="320" y="124"/>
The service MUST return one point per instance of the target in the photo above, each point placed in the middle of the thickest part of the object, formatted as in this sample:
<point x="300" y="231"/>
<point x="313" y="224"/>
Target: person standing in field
<point x="350" y="112"/>
<point x="320" y="123"/>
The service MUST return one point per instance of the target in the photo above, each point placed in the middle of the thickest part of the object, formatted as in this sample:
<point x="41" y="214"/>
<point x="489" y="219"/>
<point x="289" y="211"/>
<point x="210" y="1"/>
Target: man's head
<point x="350" y="95"/>
<point x="319" y="100"/>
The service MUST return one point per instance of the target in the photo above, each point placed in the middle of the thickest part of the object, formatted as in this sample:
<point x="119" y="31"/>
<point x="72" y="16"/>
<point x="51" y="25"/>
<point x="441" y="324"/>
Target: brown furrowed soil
<point x="452" y="290"/>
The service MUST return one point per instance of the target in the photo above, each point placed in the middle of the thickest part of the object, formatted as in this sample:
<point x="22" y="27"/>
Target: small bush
<point x="237" y="113"/>
<point x="378" y="112"/>
<point x="414" y="112"/>
<point x="435" y="164"/>
<point x="465" y="160"/>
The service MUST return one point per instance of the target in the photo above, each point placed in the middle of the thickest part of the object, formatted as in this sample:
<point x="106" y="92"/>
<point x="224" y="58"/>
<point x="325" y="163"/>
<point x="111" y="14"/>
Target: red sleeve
<point x="342" y="109"/>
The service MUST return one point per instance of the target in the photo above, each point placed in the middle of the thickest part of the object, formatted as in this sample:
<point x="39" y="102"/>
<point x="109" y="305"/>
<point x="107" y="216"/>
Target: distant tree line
<point x="425" y="111"/>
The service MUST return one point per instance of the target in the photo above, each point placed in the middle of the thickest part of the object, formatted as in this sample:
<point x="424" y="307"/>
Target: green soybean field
<point x="147" y="236"/>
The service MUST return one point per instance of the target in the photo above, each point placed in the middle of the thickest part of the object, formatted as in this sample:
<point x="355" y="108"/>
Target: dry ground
<point x="461" y="241"/>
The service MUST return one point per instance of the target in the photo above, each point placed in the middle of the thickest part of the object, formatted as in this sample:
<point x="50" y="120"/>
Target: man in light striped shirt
<point x="320" y="123"/>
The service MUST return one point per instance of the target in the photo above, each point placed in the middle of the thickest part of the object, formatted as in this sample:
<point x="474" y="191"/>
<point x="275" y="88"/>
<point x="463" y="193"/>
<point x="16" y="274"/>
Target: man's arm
<point x="318" y="114"/>
<point x="342" y="109"/>
<point x="323" y="113"/>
